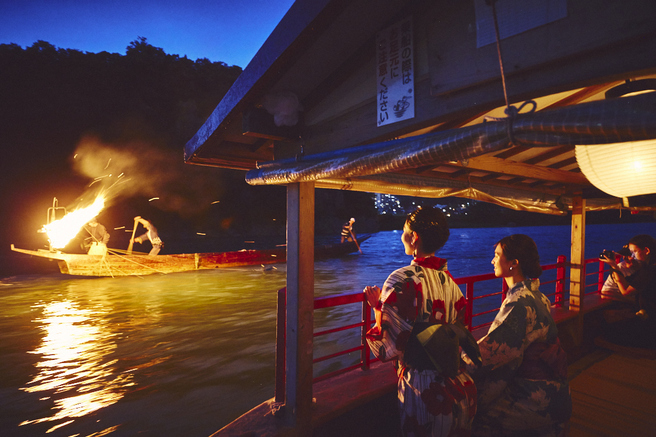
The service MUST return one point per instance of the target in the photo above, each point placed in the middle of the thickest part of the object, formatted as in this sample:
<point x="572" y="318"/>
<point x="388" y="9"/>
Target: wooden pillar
<point x="300" y="306"/>
<point x="577" y="271"/>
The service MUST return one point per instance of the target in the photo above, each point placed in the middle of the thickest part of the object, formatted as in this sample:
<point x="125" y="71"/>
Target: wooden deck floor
<point x="613" y="394"/>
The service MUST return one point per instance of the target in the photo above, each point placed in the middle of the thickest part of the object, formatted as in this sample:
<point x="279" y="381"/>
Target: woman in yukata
<point x="522" y="384"/>
<point x="418" y="314"/>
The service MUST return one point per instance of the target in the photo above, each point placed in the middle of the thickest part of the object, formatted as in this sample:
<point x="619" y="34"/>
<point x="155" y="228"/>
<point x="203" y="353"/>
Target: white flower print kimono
<point x="431" y="403"/>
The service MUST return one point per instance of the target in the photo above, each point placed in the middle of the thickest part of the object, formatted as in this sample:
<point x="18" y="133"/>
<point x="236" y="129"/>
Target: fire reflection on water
<point x="75" y="373"/>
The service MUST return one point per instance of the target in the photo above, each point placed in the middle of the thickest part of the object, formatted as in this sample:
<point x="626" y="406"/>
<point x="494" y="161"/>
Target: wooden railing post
<point x="559" y="299"/>
<point x="469" y="310"/>
<point x="600" y="282"/>
<point x="577" y="257"/>
<point x="300" y="307"/>
<point x="280" y="345"/>
<point x="366" y="323"/>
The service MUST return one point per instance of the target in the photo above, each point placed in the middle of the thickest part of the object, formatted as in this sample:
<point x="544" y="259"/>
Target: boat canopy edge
<point x="599" y="122"/>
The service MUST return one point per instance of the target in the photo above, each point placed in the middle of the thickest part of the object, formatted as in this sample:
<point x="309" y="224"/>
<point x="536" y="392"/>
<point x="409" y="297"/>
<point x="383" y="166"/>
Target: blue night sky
<point x="229" y="31"/>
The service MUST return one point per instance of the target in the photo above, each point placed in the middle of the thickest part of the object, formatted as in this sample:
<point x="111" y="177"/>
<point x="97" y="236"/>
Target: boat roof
<point x="574" y="67"/>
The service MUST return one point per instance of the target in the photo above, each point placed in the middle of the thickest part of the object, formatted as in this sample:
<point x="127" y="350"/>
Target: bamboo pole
<point x="134" y="229"/>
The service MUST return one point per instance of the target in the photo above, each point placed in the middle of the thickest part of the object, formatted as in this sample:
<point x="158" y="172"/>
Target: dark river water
<point x="184" y="354"/>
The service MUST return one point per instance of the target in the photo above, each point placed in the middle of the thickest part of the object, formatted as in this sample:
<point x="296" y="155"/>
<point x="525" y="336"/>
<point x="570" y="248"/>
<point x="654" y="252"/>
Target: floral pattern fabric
<point x="522" y="384"/>
<point x="431" y="404"/>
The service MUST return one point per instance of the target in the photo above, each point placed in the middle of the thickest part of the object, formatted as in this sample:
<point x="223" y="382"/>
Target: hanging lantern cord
<point x="301" y="153"/>
<point x="510" y="111"/>
<point x="492" y="3"/>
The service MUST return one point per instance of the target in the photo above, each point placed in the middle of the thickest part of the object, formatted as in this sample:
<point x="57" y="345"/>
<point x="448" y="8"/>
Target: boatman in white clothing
<point x="151" y="234"/>
<point x="96" y="243"/>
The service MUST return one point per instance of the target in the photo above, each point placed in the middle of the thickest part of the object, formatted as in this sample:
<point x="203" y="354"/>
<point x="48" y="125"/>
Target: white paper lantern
<point x="620" y="169"/>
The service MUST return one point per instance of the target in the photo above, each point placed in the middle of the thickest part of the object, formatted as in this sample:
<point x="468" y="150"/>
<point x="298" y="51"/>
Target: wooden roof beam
<point x="548" y="155"/>
<point x="501" y="166"/>
<point x="468" y="178"/>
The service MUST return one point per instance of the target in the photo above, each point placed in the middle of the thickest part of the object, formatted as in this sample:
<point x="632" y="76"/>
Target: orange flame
<point x="62" y="231"/>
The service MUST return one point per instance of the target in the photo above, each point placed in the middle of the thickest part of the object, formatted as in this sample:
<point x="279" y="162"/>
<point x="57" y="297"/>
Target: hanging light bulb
<point x="620" y="169"/>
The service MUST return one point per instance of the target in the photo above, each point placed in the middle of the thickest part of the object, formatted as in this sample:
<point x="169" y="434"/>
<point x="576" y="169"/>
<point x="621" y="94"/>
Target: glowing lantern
<point x="620" y="169"/>
<point x="61" y="231"/>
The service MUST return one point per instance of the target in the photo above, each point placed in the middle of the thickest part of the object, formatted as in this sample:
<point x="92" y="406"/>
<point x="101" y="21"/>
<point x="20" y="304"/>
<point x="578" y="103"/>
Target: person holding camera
<point x="640" y="330"/>
<point x="627" y="266"/>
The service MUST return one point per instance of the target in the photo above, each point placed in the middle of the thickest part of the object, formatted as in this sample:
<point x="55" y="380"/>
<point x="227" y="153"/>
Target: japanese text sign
<point x="394" y="73"/>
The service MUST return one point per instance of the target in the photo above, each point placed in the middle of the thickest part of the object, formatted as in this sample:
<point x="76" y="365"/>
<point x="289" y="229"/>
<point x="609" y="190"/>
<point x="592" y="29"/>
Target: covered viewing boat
<point x="531" y="105"/>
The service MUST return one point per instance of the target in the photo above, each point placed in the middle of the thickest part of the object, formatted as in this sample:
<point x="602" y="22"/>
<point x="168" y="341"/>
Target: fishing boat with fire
<point x="121" y="263"/>
<point x="545" y="106"/>
<point x="102" y="261"/>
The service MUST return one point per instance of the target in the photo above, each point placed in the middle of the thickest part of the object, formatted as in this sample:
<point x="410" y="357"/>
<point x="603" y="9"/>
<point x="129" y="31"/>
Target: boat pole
<point x="134" y="229"/>
<point x="356" y="242"/>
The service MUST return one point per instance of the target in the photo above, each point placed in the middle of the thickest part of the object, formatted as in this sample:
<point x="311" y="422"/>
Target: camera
<point x="607" y="254"/>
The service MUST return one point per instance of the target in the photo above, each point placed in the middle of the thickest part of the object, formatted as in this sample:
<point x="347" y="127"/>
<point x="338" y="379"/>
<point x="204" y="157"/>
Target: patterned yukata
<point x="431" y="404"/>
<point x="522" y="385"/>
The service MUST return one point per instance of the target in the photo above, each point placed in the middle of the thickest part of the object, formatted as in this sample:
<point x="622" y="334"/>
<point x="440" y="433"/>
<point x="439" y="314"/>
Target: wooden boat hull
<point x="142" y="264"/>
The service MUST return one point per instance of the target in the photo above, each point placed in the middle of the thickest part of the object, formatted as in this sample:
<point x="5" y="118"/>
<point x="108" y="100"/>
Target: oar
<point x="134" y="229"/>
<point x="356" y="242"/>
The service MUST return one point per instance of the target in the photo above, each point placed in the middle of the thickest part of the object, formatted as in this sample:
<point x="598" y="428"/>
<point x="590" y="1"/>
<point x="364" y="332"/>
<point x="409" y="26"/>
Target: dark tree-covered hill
<point x="69" y="119"/>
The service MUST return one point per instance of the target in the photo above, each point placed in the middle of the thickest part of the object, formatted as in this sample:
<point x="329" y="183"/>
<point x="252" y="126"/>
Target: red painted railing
<point x="558" y="297"/>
